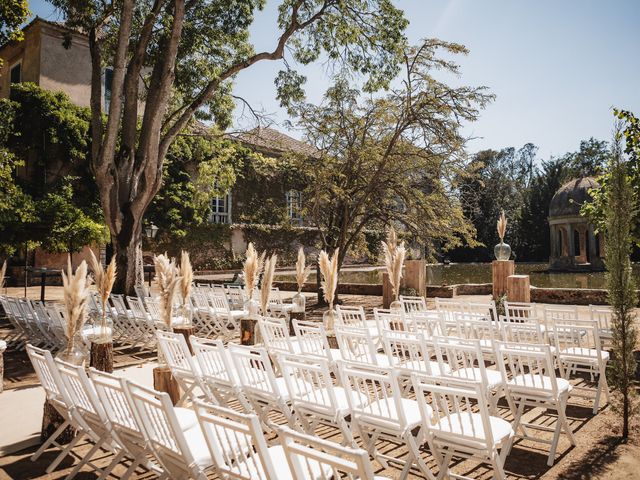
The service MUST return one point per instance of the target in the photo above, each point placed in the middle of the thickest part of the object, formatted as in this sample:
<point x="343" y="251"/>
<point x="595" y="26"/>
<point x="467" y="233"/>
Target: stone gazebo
<point x="574" y="244"/>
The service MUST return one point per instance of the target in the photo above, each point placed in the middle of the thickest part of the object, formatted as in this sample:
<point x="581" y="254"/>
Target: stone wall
<point x="569" y="296"/>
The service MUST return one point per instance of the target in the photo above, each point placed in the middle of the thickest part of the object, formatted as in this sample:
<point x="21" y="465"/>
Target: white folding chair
<point x="579" y="349"/>
<point x="263" y="390"/>
<point x="312" y="458"/>
<point x="277" y="307"/>
<point x="183" y="454"/>
<point x="427" y="322"/>
<point x="218" y="373"/>
<point x="603" y="315"/>
<point x="458" y="424"/>
<point x="183" y="367"/>
<point x="354" y="317"/>
<point x="275" y="336"/>
<point x="387" y="319"/>
<point x="314" y="397"/>
<point x="413" y="304"/>
<point x="236" y="296"/>
<point x="530" y="380"/>
<point x="312" y="339"/>
<point x="357" y="345"/>
<point x="384" y="414"/>
<point x="238" y="446"/>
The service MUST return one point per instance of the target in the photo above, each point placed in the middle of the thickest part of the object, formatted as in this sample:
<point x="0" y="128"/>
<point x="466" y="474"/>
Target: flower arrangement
<point x="252" y="269"/>
<point x="168" y="280"/>
<point x="302" y="271"/>
<point x="267" y="281"/>
<point x="104" y="280"/>
<point x="329" y="270"/>
<point x="394" y="256"/>
<point x="75" y="288"/>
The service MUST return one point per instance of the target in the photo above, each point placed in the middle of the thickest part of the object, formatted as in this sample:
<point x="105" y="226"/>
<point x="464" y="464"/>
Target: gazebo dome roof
<point x="570" y="197"/>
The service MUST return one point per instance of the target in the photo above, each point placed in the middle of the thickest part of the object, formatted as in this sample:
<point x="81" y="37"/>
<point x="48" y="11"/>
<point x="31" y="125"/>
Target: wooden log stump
<point x="51" y="420"/>
<point x="332" y="340"/>
<point x="186" y="332"/>
<point x="295" y="316"/>
<point x="249" y="331"/>
<point x="163" y="381"/>
<point x="518" y="288"/>
<point x="101" y="356"/>
<point x="387" y="291"/>
<point x="415" y="276"/>
<point x="501" y="270"/>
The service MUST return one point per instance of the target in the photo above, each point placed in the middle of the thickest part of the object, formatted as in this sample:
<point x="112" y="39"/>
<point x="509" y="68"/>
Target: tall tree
<point x="13" y="13"/>
<point x="392" y="159"/>
<point x="619" y="208"/>
<point x="180" y="57"/>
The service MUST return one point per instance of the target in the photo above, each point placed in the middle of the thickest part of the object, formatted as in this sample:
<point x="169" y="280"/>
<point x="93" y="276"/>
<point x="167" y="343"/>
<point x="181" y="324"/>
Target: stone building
<point x="575" y="246"/>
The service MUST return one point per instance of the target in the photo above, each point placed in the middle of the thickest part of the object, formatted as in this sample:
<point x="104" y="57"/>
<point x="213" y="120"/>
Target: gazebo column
<point x="570" y="241"/>
<point x="582" y="240"/>
<point x="592" y="244"/>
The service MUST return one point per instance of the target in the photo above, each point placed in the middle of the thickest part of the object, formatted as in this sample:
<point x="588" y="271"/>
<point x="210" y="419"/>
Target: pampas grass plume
<point x="302" y="271"/>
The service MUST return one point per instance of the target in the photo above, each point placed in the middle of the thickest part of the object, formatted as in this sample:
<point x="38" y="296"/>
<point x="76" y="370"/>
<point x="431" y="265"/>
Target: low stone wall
<point x="569" y="296"/>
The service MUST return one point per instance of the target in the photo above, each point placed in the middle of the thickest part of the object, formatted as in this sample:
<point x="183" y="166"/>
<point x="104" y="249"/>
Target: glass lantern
<point x="502" y="251"/>
<point x="183" y="316"/>
<point x="299" y="303"/>
<point x="75" y="351"/>
<point x="101" y="327"/>
<point x="329" y="319"/>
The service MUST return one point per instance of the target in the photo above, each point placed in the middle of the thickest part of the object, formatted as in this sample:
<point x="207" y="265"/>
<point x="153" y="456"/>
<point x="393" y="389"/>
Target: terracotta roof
<point x="273" y="141"/>
<point x="570" y="197"/>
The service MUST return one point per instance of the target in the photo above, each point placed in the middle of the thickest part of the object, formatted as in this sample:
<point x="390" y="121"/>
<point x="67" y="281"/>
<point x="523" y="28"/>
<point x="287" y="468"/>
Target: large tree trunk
<point x="127" y="245"/>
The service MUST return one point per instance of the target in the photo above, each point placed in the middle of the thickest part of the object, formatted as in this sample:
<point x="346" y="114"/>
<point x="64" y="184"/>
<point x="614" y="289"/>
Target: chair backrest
<point x="350" y="316"/>
<point x="162" y="430"/>
<point x="309" y="382"/>
<point x="312" y="338"/>
<point x="413" y="304"/>
<point x="603" y="315"/>
<point x="524" y="332"/>
<point x="450" y="305"/>
<point x="577" y="338"/>
<point x="389" y="319"/>
<point x="230" y="437"/>
<point x="463" y="357"/>
<point x="478" y="326"/>
<point x="48" y="375"/>
<point x="565" y="313"/>
<point x="212" y="357"/>
<point x="275" y="334"/>
<point x="117" y="301"/>
<point x="530" y="368"/>
<point x="154" y="309"/>
<point x="176" y="353"/>
<point x="356" y="344"/>
<point x="218" y="300"/>
<point x="373" y="394"/>
<point x="426" y="322"/>
<point x="255" y="371"/>
<point x="519" y="311"/>
<point x="137" y="308"/>
<point x="142" y="291"/>
<point x="275" y="297"/>
<point x="406" y="351"/>
<point x="236" y="295"/>
<point x="486" y="310"/>
<point x="310" y="457"/>
<point x="454" y="410"/>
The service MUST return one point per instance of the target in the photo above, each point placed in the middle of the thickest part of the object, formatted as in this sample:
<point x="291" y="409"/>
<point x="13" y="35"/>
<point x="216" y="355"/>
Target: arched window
<point x="576" y="242"/>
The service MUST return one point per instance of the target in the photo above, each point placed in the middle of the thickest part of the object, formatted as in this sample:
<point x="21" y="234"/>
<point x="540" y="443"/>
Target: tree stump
<point x="501" y="270"/>
<point x="518" y="288"/>
<point x="249" y="334"/>
<point x="163" y="381"/>
<point x="51" y="420"/>
<point x="415" y="276"/>
<point x="295" y="316"/>
<point x="101" y="356"/>
<point x="186" y="332"/>
<point x="387" y="291"/>
<point x="332" y="340"/>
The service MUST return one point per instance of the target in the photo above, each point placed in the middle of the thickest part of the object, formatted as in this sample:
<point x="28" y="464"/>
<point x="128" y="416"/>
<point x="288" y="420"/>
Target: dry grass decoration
<point x="252" y="269"/>
<point x="3" y="271"/>
<point x="168" y="280"/>
<point x="75" y="287"/>
<point x="186" y="275"/>
<point x="394" y="256"/>
<point x="302" y="271"/>
<point x="104" y="280"/>
<point x="502" y="226"/>
<point x="267" y="281"/>
<point x="329" y="270"/>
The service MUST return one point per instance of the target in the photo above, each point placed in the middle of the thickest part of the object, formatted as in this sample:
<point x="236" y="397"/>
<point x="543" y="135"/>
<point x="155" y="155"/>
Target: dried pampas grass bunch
<point x="75" y="287"/>
<point x="104" y="280"/>
<point x="302" y="271"/>
<point x="502" y="225"/>
<point x="252" y="269"/>
<point x="329" y="270"/>
<point x="3" y="271"/>
<point x="186" y="275"/>
<point x="167" y="279"/>
<point x="267" y="281"/>
<point x="394" y="255"/>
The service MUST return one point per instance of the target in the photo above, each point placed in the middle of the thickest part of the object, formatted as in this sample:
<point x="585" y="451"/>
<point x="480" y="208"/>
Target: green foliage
<point x="390" y="159"/>
<point x="13" y="13"/>
<point x="619" y="208"/>
<point x="64" y="226"/>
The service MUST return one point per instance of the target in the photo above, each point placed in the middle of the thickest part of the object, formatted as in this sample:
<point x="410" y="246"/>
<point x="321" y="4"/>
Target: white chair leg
<point x="65" y="452"/>
<point x="50" y="441"/>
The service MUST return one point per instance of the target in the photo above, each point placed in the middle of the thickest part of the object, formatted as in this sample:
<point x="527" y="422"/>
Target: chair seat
<point x="494" y="378"/>
<point x="342" y="402"/>
<point x="539" y="382"/>
<point x="200" y="450"/>
<point x="419" y="366"/>
<point x="386" y="408"/>
<point x="186" y="418"/>
<point x="471" y="426"/>
<point x="250" y="469"/>
<point x="581" y="353"/>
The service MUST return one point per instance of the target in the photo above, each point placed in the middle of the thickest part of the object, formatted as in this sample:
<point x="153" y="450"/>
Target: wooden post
<point x="415" y="276"/>
<point x="186" y="332"/>
<point x="249" y="331"/>
<point x="295" y="316"/>
<point x="501" y="270"/>
<point x="51" y="420"/>
<point x="518" y="288"/>
<point x="101" y="356"/>
<point x="163" y="381"/>
<point x="387" y="291"/>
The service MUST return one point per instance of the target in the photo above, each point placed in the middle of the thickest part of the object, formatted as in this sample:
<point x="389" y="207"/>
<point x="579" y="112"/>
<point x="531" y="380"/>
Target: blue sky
<point x="556" y="66"/>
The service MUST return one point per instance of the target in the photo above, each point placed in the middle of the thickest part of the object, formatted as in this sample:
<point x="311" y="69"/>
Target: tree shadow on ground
<point x="594" y="461"/>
